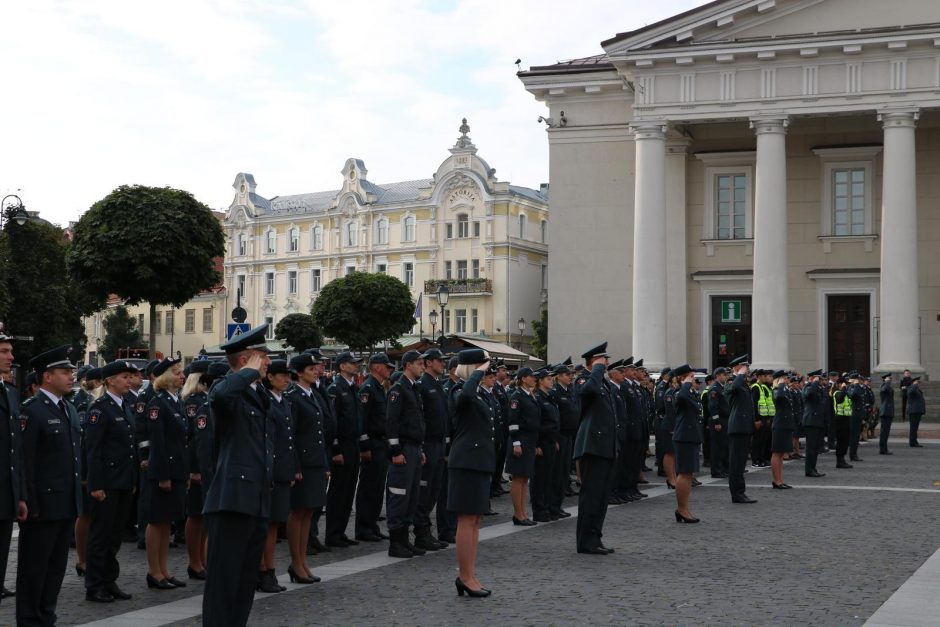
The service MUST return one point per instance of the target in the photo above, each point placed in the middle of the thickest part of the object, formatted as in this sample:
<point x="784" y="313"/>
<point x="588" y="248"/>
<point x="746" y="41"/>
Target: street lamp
<point x="521" y="331"/>
<point x="443" y="295"/>
<point x="433" y="318"/>
<point x="15" y="209"/>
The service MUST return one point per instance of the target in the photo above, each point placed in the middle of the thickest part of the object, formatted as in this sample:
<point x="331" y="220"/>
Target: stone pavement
<point x="830" y="552"/>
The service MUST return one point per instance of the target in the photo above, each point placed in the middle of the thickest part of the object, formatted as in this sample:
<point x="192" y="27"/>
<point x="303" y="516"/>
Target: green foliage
<point x="299" y="330"/>
<point x="540" y="336"/>
<point x="363" y="309"/>
<point x="121" y="332"/>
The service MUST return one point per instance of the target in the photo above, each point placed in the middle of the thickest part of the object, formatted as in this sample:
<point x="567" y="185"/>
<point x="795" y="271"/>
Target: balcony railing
<point x="459" y="286"/>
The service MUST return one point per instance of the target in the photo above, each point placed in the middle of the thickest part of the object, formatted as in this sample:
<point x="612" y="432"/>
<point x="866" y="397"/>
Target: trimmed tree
<point x="153" y="244"/>
<point x="121" y="332"/>
<point x="540" y="336"/>
<point x="299" y="330"/>
<point x="363" y="309"/>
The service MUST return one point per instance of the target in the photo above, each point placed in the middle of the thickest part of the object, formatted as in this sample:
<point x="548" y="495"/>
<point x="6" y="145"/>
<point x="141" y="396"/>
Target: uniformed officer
<point x="595" y="450"/>
<point x="524" y="420"/>
<point x="12" y="481"/>
<point x="447" y="520"/>
<point x="142" y="438"/>
<point x="328" y="420"/>
<point x="92" y="389"/>
<point x="344" y="469"/>
<point x="547" y="447"/>
<point x="815" y="405"/>
<point x="856" y="392"/>
<point x="195" y="394"/>
<point x="615" y="378"/>
<point x="238" y="502"/>
<point x="781" y="428"/>
<point x="502" y="433"/>
<point x="842" y="405"/>
<point x="718" y="411"/>
<point x="405" y="439"/>
<point x="915" y="410"/>
<point x="373" y="467"/>
<point x="52" y="468"/>
<point x="436" y="412"/>
<point x="764" y="408"/>
<point x="570" y="415"/>
<point x="885" y="413"/>
<point x="687" y="437"/>
<point x="112" y="476"/>
<point x="741" y="419"/>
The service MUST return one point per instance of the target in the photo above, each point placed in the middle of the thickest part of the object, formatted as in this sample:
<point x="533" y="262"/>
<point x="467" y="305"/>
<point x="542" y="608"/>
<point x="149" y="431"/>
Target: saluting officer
<point x="52" y="468"/>
<point x="718" y="411"/>
<point x="856" y="392"/>
<point x="112" y="476"/>
<point x="886" y="413"/>
<point x="12" y="481"/>
<point x="501" y="431"/>
<point x="740" y="428"/>
<point x="238" y="502"/>
<point x="687" y="438"/>
<point x="434" y="402"/>
<point x="373" y="442"/>
<point x="195" y="395"/>
<point x="595" y="449"/>
<point x="405" y="438"/>
<point x="815" y="408"/>
<point x="142" y="437"/>
<point x="344" y="470"/>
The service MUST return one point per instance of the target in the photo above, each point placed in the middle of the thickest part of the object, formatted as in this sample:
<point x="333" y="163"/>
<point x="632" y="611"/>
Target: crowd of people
<point x="237" y="453"/>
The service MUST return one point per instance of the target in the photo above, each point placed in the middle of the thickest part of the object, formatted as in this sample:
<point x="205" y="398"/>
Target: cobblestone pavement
<point x="829" y="554"/>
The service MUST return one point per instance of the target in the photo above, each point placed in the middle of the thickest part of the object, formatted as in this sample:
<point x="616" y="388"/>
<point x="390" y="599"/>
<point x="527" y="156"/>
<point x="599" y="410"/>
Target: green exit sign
<point x="731" y="311"/>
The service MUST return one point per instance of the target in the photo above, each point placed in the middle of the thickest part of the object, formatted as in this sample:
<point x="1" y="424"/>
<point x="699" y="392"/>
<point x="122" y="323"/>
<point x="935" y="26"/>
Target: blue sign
<point x="234" y="329"/>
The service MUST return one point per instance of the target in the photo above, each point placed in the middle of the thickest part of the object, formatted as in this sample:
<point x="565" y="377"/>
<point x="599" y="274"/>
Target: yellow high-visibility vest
<point x="844" y="408"/>
<point x="765" y="404"/>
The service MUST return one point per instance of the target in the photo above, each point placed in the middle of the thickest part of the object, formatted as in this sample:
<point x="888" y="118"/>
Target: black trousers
<point x="104" y="538"/>
<point x="596" y="476"/>
<point x="855" y="432"/>
<point x="885" y="433"/>
<point x="404" y="485"/>
<point x="633" y="455"/>
<point x="432" y="476"/>
<point x="620" y="470"/>
<point x="841" y="425"/>
<point x="42" y="556"/>
<point x="342" y="492"/>
<point x="719" y="450"/>
<point x="446" y="520"/>
<point x="759" y="443"/>
<point x="707" y="445"/>
<point x="560" y="470"/>
<point x="6" y="533"/>
<point x="541" y="481"/>
<point x="496" y="482"/>
<point x="915" y="424"/>
<point x="371" y="491"/>
<point x="236" y="542"/>
<point x="814" y="436"/>
<point x="738" y="445"/>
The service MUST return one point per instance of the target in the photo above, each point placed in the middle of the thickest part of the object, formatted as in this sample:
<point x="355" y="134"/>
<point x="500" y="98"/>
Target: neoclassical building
<point x="485" y="238"/>
<point x="751" y="176"/>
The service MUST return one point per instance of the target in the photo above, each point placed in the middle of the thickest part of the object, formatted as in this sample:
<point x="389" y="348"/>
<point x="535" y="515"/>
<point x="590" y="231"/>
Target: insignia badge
<point x="514" y="404"/>
<point x="139" y="408"/>
<point x="393" y="397"/>
<point x="22" y="424"/>
<point x="581" y="381"/>
<point x="364" y="398"/>
<point x="191" y="411"/>
<point x="154" y="413"/>
<point x="93" y="417"/>
<point x="201" y="422"/>
<point x="81" y="417"/>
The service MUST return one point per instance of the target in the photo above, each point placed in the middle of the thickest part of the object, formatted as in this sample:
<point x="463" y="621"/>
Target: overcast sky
<point x="187" y="93"/>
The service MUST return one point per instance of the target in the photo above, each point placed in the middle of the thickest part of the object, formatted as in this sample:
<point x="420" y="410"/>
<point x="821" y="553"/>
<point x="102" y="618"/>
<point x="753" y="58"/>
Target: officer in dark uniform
<point x="142" y="438"/>
<point x="524" y="420"/>
<point x="52" y="468"/>
<point x="547" y="448"/>
<point x="193" y="400"/>
<point x="717" y="419"/>
<point x="500" y="427"/>
<point x="405" y="439"/>
<point x="916" y="407"/>
<point x="856" y="392"/>
<point x="595" y="450"/>
<point x="740" y="428"/>
<point x="112" y="475"/>
<point x="373" y="467"/>
<point x="328" y="420"/>
<point x="344" y="470"/>
<point x="570" y="415"/>
<point x="238" y="501"/>
<point x="447" y="520"/>
<point x="687" y="438"/>
<point x="885" y="413"/>
<point x="637" y="433"/>
<point x="615" y="378"/>
<point x="842" y="405"/>
<point x="436" y="413"/>
<point x="12" y="481"/>
<point x="815" y="405"/>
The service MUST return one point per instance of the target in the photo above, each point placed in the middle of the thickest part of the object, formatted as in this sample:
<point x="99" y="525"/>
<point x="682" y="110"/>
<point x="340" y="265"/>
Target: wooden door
<point x="849" y="333"/>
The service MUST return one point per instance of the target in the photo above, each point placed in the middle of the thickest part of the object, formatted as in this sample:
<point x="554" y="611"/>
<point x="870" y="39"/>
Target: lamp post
<point x="521" y="331"/>
<point x="432" y="316"/>
<point x="443" y="295"/>
<point x="15" y="209"/>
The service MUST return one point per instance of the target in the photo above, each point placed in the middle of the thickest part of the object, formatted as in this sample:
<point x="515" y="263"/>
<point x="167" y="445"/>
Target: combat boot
<point x="398" y="543"/>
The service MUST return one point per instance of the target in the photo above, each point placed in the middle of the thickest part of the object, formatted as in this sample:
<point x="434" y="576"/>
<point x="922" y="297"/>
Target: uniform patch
<point x="154" y="413"/>
<point x="581" y="381"/>
<point x="363" y="398"/>
<point x="139" y="408"/>
<point x="94" y="416"/>
<point x="22" y="424"/>
<point x="514" y="404"/>
<point x="393" y="397"/>
<point x="81" y="417"/>
<point x="714" y="394"/>
<point x="191" y="411"/>
<point x="201" y="422"/>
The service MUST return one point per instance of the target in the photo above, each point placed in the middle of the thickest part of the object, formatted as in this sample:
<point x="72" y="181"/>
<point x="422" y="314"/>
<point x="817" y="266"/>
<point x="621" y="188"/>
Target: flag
<point x="417" y="315"/>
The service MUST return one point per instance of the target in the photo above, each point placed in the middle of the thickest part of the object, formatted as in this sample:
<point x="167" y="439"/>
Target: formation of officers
<point x="235" y="453"/>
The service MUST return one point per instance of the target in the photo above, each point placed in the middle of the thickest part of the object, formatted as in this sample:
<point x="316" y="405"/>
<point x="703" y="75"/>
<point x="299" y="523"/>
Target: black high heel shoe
<point x="195" y="574"/>
<point x="682" y="519"/>
<point x="462" y="588"/>
<point x="527" y="522"/>
<point x="163" y="584"/>
<point x="295" y="578"/>
<point x="669" y="485"/>
<point x="80" y="570"/>
<point x="781" y="486"/>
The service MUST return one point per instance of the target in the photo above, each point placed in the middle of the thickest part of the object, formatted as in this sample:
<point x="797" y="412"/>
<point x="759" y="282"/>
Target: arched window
<point x="522" y="225"/>
<point x="242" y="245"/>
<point x="544" y="233"/>
<point x="463" y="225"/>
<point x="271" y="239"/>
<point x="408" y="229"/>
<point x="351" y="229"/>
<point x="316" y="237"/>
<point x="293" y="239"/>
<point x="381" y="231"/>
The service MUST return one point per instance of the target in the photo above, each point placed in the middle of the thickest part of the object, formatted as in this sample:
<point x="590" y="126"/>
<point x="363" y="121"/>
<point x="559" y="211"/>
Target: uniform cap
<point x="148" y="369"/>
<point x="200" y="366"/>
<point x="345" y="357"/>
<point x="472" y="356"/>
<point x="541" y="374"/>
<point x="567" y="362"/>
<point x="524" y="372"/>
<point x="117" y="367"/>
<point x="409" y="357"/>
<point x="55" y="358"/>
<point x="598" y="351"/>
<point x="781" y="373"/>
<point x="278" y="366"/>
<point x="617" y="365"/>
<point x="433" y="353"/>
<point x="254" y="339"/>
<point x="81" y="373"/>
<point x="94" y="374"/>
<point x="885" y="377"/>
<point x="737" y="361"/>
<point x="381" y="358"/>
<point x="682" y="370"/>
<point x="452" y="363"/>
<point x="315" y="353"/>
<point x="560" y="369"/>
<point x="163" y="366"/>
<point x="815" y="373"/>
<point x="638" y="363"/>
<point x="218" y="369"/>
<point x="301" y="361"/>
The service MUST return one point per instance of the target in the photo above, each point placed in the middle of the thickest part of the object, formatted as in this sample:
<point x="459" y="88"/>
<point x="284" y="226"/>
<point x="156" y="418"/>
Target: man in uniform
<point x="434" y="403"/>
<point x="906" y="381"/>
<point x="344" y="469"/>
<point x="52" y="469"/>
<point x="856" y="392"/>
<point x="142" y="437"/>
<point x="815" y="403"/>
<point x="595" y="450"/>
<point x="741" y="420"/>
<point x="717" y="420"/>
<point x="842" y="405"/>
<point x="405" y="439"/>
<point x="447" y="520"/>
<point x="502" y="433"/>
<point x="322" y="399"/>
<point x="373" y="445"/>
<point x="238" y="502"/>
<point x="567" y="400"/>
<point x="764" y="410"/>
<point x="12" y="482"/>
<point x="886" y="413"/>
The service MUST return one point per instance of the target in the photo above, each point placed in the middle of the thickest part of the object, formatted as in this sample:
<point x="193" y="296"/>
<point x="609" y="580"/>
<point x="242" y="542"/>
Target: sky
<point x="187" y="93"/>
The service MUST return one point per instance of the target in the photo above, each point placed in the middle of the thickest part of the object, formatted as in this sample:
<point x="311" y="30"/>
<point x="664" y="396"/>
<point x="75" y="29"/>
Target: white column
<point x="770" y="331"/>
<point x="899" y="337"/>
<point x="677" y="271"/>
<point x="649" y="244"/>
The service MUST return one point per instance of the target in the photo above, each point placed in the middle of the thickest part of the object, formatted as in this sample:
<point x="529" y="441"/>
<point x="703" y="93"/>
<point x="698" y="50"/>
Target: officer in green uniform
<point x="765" y="410"/>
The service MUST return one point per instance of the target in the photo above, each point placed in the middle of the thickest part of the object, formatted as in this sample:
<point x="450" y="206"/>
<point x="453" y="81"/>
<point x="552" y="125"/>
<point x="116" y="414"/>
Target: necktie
<point x="62" y="408"/>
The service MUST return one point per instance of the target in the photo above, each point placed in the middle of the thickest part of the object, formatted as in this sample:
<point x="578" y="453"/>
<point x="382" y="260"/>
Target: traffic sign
<point x="731" y="311"/>
<point x="237" y="329"/>
<point x="239" y="314"/>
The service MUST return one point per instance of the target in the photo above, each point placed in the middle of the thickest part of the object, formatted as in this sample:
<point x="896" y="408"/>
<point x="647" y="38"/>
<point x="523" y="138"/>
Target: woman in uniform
<point x="686" y="440"/>
<point x="470" y="466"/>
<point x="525" y="417"/>
<point x="93" y="390"/>
<point x="112" y="462"/>
<point x="781" y="428"/>
<point x="546" y="450"/>
<point x="664" y="434"/>
<point x="195" y="395"/>
<point x="168" y="471"/>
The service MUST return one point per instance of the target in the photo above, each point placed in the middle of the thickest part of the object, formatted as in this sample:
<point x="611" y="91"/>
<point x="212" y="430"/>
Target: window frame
<point x="270" y="283"/>
<point x="408" y="273"/>
<point x="189" y="321"/>
<point x="316" y="280"/>
<point x="523" y="221"/>
<point x="827" y="197"/>
<point x="474" y="320"/>
<point x="293" y="239"/>
<point x="316" y="237"/>
<point x="269" y="334"/>
<point x="208" y="319"/>
<point x="292" y="283"/>
<point x="711" y="200"/>
<point x="460" y="320"/>
<point x="409" y="223"/>
<point x="169" y="321"/>
<point x="242" y="243"/>
<point x="351" y="234"/>
<point x="463" y="268"/>
<point x="475" y="269"/>
<point x="463" y="226"/>
<point x="381" y="231"/>
<point x="270" y="242"/>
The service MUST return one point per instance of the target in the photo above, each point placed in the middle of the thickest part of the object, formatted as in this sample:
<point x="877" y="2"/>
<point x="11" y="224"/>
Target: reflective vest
<point x="765" y="404"/>
<point x="845" y="407"/>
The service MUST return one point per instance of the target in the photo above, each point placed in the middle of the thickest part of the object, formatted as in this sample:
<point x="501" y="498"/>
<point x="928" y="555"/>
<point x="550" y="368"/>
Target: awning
<point x="456" y="343"/>
<point x="273" y="347"/>
<point x="502" y="351"/>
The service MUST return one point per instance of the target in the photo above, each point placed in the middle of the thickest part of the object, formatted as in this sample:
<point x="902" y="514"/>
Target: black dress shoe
<point x="542" y="518"/>
<point x="339" y="543"/>
<point x="856" y="459"/>
<point x="742" y="498"/>
<point x="917" y="446"/>
<point x="368" y="537"/>
<point x="162" y="584"/>
<point x="594" y="551"/>
<point x="194" y="574"/>
<point x="80" y="570"/>
<point x="380" y="534"/>
<point x="608" y="549"/>
<point x="815" y="474"/>
<point x="563" y="514"/>
<point x="176" y="582"/>
<point x="643" y="481"/>
<point x="528" y="522"/>
<point x="886" y="453"/>
<point x="842" y="464"/>
<point x="98" y="596"/>
<point x="447" y="537"/>
<point x="117" y="593"/>
<point x="6" y="593"/>
<point x="490" y="513"/>
<point x="350" y="542"/>
<point x="695" y="482"/>
<point x="319" y="546"/>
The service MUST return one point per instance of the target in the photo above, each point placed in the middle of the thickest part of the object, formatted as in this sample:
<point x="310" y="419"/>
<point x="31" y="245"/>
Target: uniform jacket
<point x="345" y="403"/>
<point x="10" y="410"/>
<point x="405" y="415"/>
<point x="203" y="442"/>
<point x="886" y="394"/>
<point x="815" y="405"/>
<point x="168" y="458"/>
<point x="688" y="409"/>
<point x="633" y="411"/>
<point x="857" y="394"/>
<point x="570" y="413"/>
<point x="718" y="407"/>
<point x="503" y="397"/>
<point x="372" y="409"/>
<point x="525" y="417"/>
<point x="915" y="400"/>
<point x="191" y="407"/>
<point x="141" y="424"/>
<point x="550" y="419"/>
<point x="669" y="410"/>
<point x="286" y="460"/>
<point x="741" y="418"/>
<point x="598" y="430"/>
<point x="111" y="455"/>
<point x="473" y="442"/>
<point x="51" y="459"/>
<point x="784" y="415"/>
<point x="241" y="430"/>
<point x="309" y="434"/>
<point x="436" y="408"/>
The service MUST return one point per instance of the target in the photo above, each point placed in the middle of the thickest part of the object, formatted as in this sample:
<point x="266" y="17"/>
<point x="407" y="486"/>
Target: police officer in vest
<point x="12" y="481"/>
<point x="718" y="411"/>
<point x="815" y="404"/>
<point x="52" y="468"/>
<point x="886" y="413"/>
<point x="842" y="405"/>
<point x="741" y="420"/>
<point x="595" y="450"/>
<point x="765" y="411"/>
<point x="112" y="474"/>
<point x="344" y="469"/>
<point x="373" y="454"/>
<point x="405" y="438"/>
<point x="238" y="501"/>
<point x="436" y="413"/>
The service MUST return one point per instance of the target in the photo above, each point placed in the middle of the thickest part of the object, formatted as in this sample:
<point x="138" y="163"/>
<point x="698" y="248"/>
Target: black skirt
<point x="167" y="505"/>
<point x="468" y="491"/>
<point x="664" y="443"/>
<point x="524" y="465"/>
<point x="86" y="501"/>
<point x="687" y="461"/>
<point x="309" y="492"/>
<point x="781" y="441"/>
<point x="280" y="502"/>
<point x="194" y="499"/>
